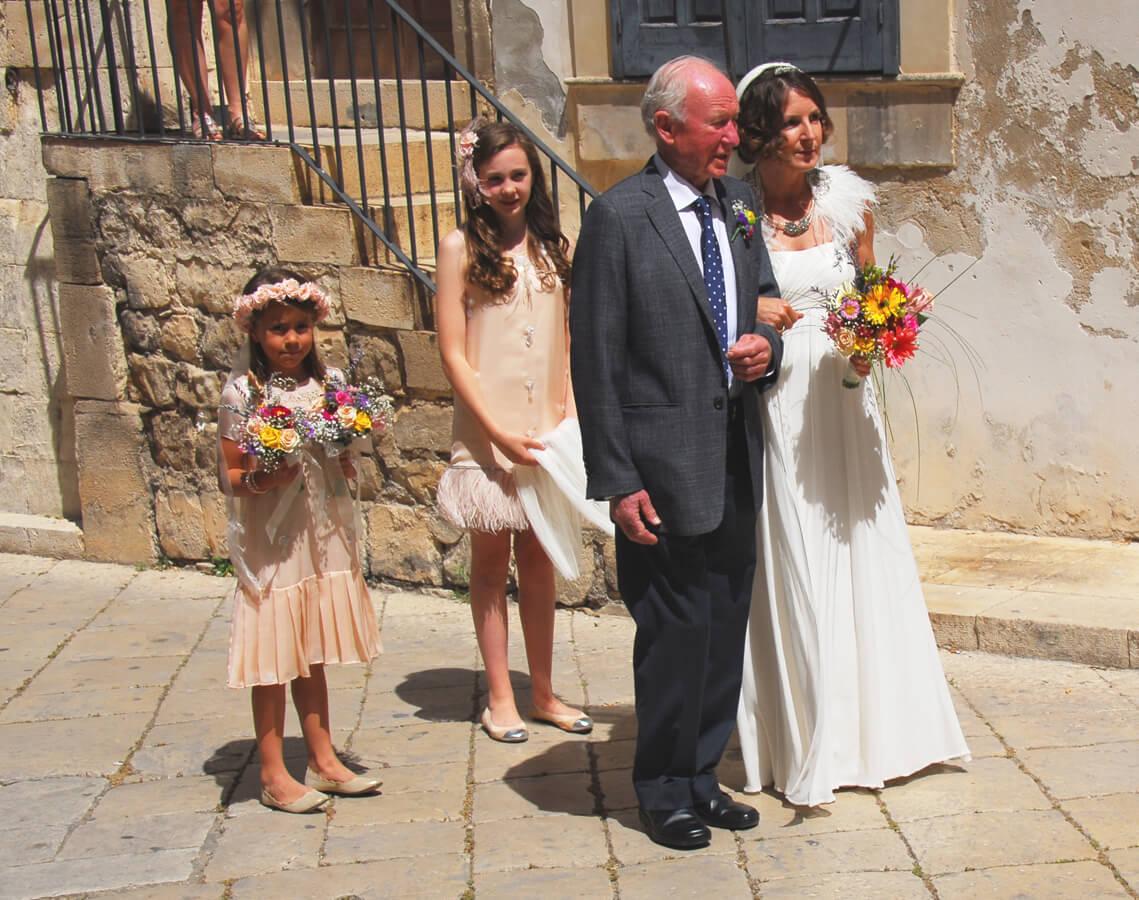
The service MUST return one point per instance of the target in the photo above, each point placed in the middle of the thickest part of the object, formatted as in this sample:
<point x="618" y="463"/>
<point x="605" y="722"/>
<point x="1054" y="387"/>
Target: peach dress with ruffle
<point x="303" y="600"/>
<point x="517" y="347"/>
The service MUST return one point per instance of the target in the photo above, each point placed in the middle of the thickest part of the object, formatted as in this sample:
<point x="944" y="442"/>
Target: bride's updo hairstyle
<point x="761" y="111"/>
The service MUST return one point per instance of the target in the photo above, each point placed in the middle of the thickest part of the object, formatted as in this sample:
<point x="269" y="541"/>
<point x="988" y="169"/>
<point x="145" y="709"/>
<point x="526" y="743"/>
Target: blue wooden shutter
<point x="826" y="35"/>
<point x="647" y="33"/>
<point x="857" y="36"/>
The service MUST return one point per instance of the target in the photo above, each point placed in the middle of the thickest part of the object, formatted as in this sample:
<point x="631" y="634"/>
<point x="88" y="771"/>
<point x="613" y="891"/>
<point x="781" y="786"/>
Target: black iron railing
<point x="377" y="126"/>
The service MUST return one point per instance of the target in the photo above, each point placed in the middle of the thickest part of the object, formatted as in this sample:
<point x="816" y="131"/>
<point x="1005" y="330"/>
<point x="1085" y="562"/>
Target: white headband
<point x="736" y="166"/>
<point x="777" y="67"/>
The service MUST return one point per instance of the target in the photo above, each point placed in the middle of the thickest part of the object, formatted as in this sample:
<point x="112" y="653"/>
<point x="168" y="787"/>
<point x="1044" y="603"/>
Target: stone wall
<point x="153" y="242"/>
<point x="38" y="474"/>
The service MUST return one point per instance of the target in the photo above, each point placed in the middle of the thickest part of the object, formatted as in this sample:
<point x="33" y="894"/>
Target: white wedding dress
<point x="842" y="683"/>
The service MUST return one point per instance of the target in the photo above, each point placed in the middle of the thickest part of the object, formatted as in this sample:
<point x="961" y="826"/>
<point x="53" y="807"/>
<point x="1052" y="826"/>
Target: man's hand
<point x="631" y="512"/>
<point x="750" y="357"/>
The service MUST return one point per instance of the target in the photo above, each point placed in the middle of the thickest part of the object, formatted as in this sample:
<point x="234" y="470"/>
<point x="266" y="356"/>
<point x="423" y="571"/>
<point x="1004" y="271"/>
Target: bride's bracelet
<point x="249" y="482"/>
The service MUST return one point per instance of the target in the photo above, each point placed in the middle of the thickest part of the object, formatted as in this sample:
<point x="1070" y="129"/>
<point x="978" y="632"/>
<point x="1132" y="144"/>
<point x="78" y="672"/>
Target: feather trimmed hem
<point x="479" y="499"/>
<point x="281" y="634"/>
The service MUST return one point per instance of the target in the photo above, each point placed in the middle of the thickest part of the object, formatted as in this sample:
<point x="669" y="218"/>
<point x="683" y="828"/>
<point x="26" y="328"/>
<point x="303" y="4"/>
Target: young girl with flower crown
<point x="501" y="315"/>
<point x="301" y="601"/>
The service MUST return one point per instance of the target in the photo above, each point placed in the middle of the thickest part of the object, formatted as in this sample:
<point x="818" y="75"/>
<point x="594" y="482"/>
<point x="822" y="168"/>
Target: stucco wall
<point x="1044" y="201"/>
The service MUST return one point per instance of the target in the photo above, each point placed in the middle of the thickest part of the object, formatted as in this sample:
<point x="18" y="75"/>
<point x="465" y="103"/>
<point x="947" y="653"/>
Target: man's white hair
<point x="668" y="89"/>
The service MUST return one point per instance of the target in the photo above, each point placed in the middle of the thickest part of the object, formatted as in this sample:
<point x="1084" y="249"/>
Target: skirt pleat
<point x="278" y="636"/>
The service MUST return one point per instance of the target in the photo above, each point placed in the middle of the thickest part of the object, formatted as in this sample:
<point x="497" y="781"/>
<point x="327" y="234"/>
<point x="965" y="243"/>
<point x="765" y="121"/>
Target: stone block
<point x="377" y="356"/>
<point x="181" y="525"/>
<point x="576" y="593"/>
<point x="76" y="262"/>
<point x="918" y="123"/>
<point x="92" y="343"/>
<point x="1054" y="640"/>
<point x="40" y="536"/>
<point x="141" y="332"/>
<point x="423" y="426"/>
<point x="954" y="632"/>
<point x="69" y="202"/>
<point x="153" y="377"/>
<point x="193" y="169"/>
<point x="209" y="287"/>
<point x="27" y="427"/>
<point x="181" y="337"/>
<point x="457" y="563"/>
<point x="400" y="545"/>
<point x="66" y="158"/>
<point x="378" y="297"/>
<point x="422" y="364"/>
<point x="29" y="299"/>
<point x="216" y="522"/>
<point x="260" y="173"/>
<point x="419" y="477"/>
<point x="314" y="234"/>
<point x="221" y="340"/>
<point x="25" y="234"/>
<point x="1133" y="648"/>
<point x="17" y="351"/>
<point x="17" y="48"/>
<point x="117" y="516"/>
<point x="148" y="282"/>
<point x="198" y="388"/>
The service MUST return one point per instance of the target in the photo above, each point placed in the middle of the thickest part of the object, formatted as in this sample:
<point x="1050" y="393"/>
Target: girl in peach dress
<point x="501" y="312"/>
<point x="301" y="601"/>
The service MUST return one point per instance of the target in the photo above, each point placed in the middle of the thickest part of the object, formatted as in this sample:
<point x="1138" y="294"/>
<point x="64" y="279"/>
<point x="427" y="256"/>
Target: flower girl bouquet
<point x="272" y="433"/>
<point x="877" y="318"/>
<point x="347" y="412"/>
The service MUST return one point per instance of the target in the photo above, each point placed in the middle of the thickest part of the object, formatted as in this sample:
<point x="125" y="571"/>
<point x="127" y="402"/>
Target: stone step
<point x="403" y="160"/>
<point x="364" y="108"/>
<point x="40" y="536"/>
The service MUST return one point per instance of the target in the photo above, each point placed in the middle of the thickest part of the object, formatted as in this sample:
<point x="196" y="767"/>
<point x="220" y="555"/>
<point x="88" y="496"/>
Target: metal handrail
<point x="102" y="89"/>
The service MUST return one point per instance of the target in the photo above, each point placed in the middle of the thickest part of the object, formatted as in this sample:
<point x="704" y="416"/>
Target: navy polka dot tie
<point x="713" y="275"/>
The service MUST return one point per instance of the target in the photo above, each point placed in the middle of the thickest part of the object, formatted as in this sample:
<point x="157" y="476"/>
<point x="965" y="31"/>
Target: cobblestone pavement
<point x="127" y="770"/>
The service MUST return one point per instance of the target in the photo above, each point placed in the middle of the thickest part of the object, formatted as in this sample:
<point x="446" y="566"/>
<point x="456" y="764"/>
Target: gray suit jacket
<point x="651" y="392"/>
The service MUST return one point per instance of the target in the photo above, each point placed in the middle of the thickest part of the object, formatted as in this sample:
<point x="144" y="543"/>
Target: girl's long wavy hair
<point x="488" y="267"/>
<point x="761" y="112"/>
<point x="259" y="369"/>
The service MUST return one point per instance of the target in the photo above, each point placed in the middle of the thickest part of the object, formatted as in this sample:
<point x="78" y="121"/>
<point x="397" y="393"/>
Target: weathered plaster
<point x="532" y="55"/>
<point x="1044" y="200"/>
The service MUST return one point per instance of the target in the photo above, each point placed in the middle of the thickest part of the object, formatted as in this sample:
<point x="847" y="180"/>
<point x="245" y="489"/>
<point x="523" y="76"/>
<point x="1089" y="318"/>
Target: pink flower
<point x="850" y="308"/>
<point x="343" y="397"/>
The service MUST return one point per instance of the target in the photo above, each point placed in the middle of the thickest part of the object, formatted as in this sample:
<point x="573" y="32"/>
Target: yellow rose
<point x="270" y="437"/>
<point x="844" y="341"/>
<point x="363" y="421"/>
<point x="346" y="416"/>
<point x="290" y="440"/>
<point x="864" y="346"/>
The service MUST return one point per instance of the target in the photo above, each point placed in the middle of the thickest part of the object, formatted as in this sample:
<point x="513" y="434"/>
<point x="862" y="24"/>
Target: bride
<point x="842" y="683"/>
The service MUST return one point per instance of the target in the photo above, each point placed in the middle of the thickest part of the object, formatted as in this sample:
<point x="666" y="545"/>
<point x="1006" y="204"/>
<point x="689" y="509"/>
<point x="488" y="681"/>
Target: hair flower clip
<point x="745" y="220"/>
<point x="465" y="160"/>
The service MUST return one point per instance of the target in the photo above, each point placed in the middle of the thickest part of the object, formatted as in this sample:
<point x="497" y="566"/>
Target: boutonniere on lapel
<point x="745" y="220"/>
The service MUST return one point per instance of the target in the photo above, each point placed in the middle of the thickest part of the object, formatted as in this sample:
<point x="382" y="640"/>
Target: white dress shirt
<point x="684" y="195"/>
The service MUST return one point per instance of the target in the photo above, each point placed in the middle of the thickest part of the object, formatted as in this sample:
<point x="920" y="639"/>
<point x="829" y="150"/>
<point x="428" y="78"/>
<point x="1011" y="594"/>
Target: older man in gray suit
<point x="668" y="360"/>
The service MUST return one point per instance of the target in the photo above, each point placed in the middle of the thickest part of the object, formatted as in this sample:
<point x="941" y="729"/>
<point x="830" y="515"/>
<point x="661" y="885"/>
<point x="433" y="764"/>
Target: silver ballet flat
<point x="511" y="734"/>
<point x="353" y="788"/>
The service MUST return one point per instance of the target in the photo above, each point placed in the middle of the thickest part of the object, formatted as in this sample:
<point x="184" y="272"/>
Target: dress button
<point x="718" y="403"/>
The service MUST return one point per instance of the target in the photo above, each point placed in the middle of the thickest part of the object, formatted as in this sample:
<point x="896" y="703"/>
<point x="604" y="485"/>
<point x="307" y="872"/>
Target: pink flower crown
<point x="290" y="289"/>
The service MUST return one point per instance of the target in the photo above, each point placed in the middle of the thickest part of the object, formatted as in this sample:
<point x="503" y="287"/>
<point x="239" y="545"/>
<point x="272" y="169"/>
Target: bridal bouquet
<point x="347" y="412"/>
<point x="271" y="432"/>
<point x="877" y="318"/>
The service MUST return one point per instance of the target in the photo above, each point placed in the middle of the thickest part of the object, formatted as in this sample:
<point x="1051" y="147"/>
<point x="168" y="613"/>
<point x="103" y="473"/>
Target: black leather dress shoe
<point x="680" y="829"/>
<point x="724" y="812"/>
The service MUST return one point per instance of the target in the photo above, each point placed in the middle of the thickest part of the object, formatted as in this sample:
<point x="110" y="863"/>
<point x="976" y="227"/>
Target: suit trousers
<point x="690" y="596"/>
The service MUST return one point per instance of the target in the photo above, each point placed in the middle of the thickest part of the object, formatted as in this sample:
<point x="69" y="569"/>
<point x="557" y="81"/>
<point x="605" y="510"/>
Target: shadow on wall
<point x="39" y="278"/>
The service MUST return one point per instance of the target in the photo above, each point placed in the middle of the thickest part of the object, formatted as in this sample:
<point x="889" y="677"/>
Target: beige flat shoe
<point x="358" y="785"/>
<point x="574" y="723"/>
<point x="310" y="802"/>
<point x="510" y="734"/>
